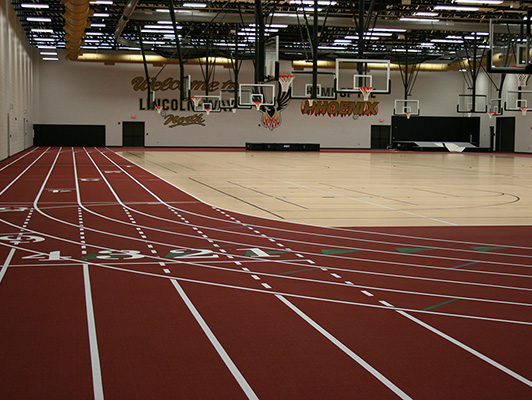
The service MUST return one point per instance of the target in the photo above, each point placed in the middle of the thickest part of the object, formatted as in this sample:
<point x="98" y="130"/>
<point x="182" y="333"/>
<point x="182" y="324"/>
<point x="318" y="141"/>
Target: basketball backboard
<point x="271" y="59"/>
<point x="229" y="99"/>
<point x="509" y="48"/>
<point x="249" y="94"/>
<point x="185" y="88"/>
<point x="406" y="107"/>
<point x="207" y="104"/>
<point x="495" y="106"/>
<point x="467" y="103"/>
<point x="352" y="74"/>
<point x="302" y="85"/>
<point x="518" y="100"/>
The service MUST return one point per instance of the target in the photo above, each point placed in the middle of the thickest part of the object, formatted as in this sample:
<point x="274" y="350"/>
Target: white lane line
<point x="468" y="349"/>
<point x="266" y="285"/>
<point x="217" y="345"/>
<point x="345" y="349"/>
<point x="367" y="293"/>
<point x="385" y="303"/>
<point x="336" y="276"/>
<point x="166" y="270"/>
<point x="93" y="342"/>
<point x="255" y="277"/>
<point x="6" y="263"/>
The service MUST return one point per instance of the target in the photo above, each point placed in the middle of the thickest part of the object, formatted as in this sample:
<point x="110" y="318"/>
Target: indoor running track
<point x="116" y="284"/>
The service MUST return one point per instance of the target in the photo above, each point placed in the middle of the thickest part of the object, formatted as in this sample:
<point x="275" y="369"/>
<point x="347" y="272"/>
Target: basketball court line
<point x="350" y="230"/>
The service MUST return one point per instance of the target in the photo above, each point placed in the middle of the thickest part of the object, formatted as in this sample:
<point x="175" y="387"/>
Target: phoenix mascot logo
<point x="271" y="115"/>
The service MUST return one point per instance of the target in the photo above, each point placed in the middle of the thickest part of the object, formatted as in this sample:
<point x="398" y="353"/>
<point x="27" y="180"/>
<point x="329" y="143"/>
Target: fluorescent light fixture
<point x="387" y="29"/>
<point x="50" y="59"/>
<point x="454" y="8"/>
<point x="409" y="50"/>
<point x="42" y="30"/>
<point x="94" y="33"/>
<point x="418" y="19"/>
<point x="38" y="19"/>
<point x="447" y="40"/>
<point x="46" y="47"/>
<point x="105" y="2"/>
<point x="311" y="2"/>
<point x="91" y="41"/>
<point x="328" y="47"/>
<point x="155" y="31"/>
<point x="48" y="53"/>
<point x="164" y="22"/>
<point x="100" y="15"/>
<point x="97" y="25"/>
<point x="309" y="9"/>
<point x="38" y="39"/>
<point x="33" y="5"/>
<point x="271" y="25"/>
<point x="427" y="44"/>
<point x="478" y="1"/>
<point x="426" y="14"/>
<point x="195" y="5"/>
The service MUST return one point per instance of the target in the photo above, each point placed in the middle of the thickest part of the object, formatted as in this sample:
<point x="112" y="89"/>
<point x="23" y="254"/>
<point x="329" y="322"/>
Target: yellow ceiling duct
<point x="76" y="14"/>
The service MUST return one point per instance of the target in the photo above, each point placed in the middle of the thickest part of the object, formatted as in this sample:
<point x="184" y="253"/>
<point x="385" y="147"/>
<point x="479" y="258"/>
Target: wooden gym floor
<point x="354" y="188"/>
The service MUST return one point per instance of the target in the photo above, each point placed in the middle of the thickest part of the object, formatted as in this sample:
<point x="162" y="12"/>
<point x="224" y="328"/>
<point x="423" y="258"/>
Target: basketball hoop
<point x="491" y="114"/>
<point x="286" y="82"/>
<point x="196" y="100"/>
<point x="208" y="110"/>
<point x="408" y="114"/>
<point x="523" y="110"/>
<point x="257" y="104"/>
<point x="366" y="91"/>
<point x="158" y="109"/>
<point x="522" y="79"/>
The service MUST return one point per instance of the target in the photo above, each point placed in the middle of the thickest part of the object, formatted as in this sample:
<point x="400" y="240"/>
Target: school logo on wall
<point x="334" y="108"/>
<point x="271" y="115"/>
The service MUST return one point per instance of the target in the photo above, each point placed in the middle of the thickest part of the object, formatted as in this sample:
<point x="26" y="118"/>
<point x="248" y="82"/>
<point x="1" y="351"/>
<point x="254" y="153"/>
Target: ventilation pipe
<point x="76" y="14"/>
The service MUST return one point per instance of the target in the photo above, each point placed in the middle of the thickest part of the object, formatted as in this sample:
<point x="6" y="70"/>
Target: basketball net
<point x="286" y="82"/>
<point x="523" y="110"/>
<point x="408" y="114"/>
<point x="158" y="109"/>
<point x="196" y="100"/>
<point x="257" y="104"/>
<point x="522" y="80"/>
<point x="366" y="91"/>
<point x="491" y="114"/>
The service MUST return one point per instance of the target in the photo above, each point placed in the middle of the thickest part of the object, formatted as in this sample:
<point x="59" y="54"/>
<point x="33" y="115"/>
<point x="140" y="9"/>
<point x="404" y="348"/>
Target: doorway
<point x="380" y="136"/>
<point x="505" y="135"/>
<point x="132" y="134"/>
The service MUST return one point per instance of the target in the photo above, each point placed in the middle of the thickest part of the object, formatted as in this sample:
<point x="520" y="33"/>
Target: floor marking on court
<point x="217" y="345"/>
<point x="345" y="349"/>
<point x="464" y="265"/>
<point x="440" y="304"/>
<point x="93" y="341"/>
<point x="266" y="285"/>
<point x="166" y="270"/>
<point x="255" y="277"/>
<point x="487" y="248"/>
<point x="236" y="198"/>
<point x="336" y="276"/>
<point x="386" y="303"/>
<point x="367" y="293"/>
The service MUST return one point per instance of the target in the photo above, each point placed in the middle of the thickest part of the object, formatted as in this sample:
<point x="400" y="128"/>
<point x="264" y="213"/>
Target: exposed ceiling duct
<point x="76" y="14"/>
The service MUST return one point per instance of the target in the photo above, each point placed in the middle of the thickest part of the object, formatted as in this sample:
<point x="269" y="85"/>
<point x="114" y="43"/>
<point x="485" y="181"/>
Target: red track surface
<point x="116" y="284"/>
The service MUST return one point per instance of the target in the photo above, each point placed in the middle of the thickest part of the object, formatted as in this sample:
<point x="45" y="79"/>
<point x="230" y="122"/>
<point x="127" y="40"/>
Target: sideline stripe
<point x="346" y="349"/>
<point x="210" y="335"/>
<point x="468" y="349"/>
<point x="93" y="342"/>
